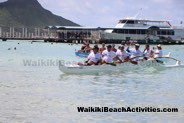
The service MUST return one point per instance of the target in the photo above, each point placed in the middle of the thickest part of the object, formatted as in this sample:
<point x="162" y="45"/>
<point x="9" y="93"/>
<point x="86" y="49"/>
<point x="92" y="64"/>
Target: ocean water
<point x="40" y="93"/>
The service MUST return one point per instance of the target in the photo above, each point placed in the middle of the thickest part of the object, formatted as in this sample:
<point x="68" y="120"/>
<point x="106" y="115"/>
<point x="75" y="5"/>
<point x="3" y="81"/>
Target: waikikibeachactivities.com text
<point x="58" y="62"/>
<point x="126" y="109"/>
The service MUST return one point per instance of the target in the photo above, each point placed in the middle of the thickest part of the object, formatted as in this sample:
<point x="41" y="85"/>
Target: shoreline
<point x="92" y="42"/>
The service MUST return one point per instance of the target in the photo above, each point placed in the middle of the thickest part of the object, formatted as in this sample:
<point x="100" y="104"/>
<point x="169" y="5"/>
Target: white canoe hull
<point x="76" y="69"/>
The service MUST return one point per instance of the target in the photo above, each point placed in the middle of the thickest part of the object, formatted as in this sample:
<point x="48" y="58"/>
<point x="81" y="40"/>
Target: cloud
<point x="2" y="1"/>
<point x="106" y="13"/>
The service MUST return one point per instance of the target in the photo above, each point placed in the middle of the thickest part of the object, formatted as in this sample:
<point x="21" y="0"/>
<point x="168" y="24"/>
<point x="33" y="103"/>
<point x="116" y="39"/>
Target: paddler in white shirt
<point x="121" y="54"/>
<point x="159" y="52"/>
<point x="135" y="53"/>
<point x="94" y="57"/>
<point x="108" y="55"/>
<point x="148" y="53"/>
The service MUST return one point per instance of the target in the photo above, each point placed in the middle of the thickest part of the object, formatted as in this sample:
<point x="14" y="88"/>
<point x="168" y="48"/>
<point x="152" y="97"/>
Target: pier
<point x="74" y="35"/>
<point x="49" y="34"/>
<point x="23" y="33"/>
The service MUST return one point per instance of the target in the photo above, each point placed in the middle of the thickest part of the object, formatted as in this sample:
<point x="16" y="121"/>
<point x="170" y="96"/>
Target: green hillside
<point x="29" y="13"/>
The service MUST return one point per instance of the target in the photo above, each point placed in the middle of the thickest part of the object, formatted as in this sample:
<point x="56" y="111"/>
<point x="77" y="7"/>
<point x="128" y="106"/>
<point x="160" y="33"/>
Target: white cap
<point x="159" y="45"/>
<point x="137" y="45"/>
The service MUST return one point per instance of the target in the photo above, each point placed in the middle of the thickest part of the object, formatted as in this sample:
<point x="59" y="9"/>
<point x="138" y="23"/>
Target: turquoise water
<point x="43" y="94"/>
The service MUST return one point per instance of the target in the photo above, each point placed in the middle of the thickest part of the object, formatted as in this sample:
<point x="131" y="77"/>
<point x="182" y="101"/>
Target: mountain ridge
<point x="29" y="13"/>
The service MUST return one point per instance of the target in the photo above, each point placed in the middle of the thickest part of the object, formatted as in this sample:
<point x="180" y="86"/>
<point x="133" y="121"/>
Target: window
<point x="143" y="31"/>
<point x="130" y="22"/>
<point x="169" y="33"/>
<point x="172" y="32"/>
<point x="132" y="31"/>
<point x="138" y="31"/>
<point x="122" y="21"/>
<point x="126" y="31"/>
<point x="127" y="21"/>
<point x="158" y="32"/>
<point x="163" y="32"/>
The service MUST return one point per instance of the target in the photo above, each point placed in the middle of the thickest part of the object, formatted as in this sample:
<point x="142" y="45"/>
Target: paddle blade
<point x="113" y="64"/>
<point x="133" y="62"/>
<point x="80" y="51"/>
<point x="159" y="61"/>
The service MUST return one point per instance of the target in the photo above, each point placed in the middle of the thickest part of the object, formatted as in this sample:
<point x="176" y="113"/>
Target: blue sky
<point x="106" y="13"/>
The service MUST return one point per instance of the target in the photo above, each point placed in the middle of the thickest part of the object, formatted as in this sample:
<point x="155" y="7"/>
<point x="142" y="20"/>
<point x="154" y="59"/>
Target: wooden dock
<point x="70" y="36"/>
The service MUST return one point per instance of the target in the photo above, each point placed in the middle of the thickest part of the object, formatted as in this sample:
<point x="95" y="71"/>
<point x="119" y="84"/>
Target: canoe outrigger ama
<point x="81" y="54"/>
<point x="156" y="63"/>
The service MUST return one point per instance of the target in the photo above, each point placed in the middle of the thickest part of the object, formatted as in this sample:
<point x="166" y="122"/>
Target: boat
<point x="128" y="29"/>
<point x="127" y="66"/>
<point x="81" y="54"/>
<point x="141" y="30"/>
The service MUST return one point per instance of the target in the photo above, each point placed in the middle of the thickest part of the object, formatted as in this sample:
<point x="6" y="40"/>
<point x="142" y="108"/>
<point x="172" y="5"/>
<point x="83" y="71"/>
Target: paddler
<point x="108" y="55"/>
<point x="87" y="49"/>
<point x="148" y="53"/>
<point x="83" y="45"/>
<point x="135" y="53"/>
<point x="102" y="48"/>
<point x="113" y="48"/>
<point x="159" y="52"/>
<point x="94" y="57"/>
<point x="121" y="54"/>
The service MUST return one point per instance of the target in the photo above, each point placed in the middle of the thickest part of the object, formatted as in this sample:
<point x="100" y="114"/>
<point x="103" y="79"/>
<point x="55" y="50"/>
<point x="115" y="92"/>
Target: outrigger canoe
<point x="81" y="54"/>
<point x="127" y="66"/>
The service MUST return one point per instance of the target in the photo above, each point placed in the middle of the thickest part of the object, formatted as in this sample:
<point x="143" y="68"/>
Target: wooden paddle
<point x="113" y="64"/>
<point x="80" y="51"/>
<point x="134" y="62"/>
<point x="159" y="61"/>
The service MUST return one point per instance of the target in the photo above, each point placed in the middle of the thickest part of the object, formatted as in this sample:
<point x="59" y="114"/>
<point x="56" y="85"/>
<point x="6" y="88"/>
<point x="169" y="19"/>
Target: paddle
<point x="128" y="60"/>
<point x="159" y="61"/>
<point x="80" y="51"/>
<point x="113" y="64"/>
<point x="134" y="62"/>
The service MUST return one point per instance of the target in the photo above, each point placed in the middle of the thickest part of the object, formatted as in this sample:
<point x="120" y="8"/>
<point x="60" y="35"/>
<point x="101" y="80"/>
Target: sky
<point x="106" y="13"/>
